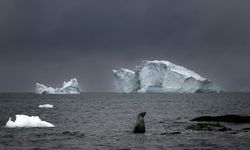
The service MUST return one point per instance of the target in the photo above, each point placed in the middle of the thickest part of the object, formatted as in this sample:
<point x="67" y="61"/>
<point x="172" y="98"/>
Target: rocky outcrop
<point x="224" y="118"/>
<point x="210" y="126"/>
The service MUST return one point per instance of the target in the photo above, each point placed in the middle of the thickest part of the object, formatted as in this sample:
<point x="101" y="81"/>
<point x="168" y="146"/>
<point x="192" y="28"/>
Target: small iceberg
<point x="70" y="87"/>
<point x="46" y="106"/>
<point x="24" y="121"/>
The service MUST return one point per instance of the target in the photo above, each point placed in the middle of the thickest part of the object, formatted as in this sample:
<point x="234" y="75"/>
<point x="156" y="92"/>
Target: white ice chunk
<point x="24" y="121"/>
<point x="70" y="87"/>
<point x="46" y="106"/>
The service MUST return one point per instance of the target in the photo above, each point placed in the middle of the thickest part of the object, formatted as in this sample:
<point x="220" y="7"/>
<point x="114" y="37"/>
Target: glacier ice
<point x="125" y="80"/>
<point x="24" y="121"/>
<point x="70" y="87"/>
<point x="46" y="106"/>
<point x="161" y="76"/>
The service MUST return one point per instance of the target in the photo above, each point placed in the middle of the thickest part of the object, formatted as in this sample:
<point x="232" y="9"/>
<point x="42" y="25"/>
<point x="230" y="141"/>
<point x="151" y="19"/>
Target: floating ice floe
<point x="70" y="87"/>
<point x="161" y="76"/>
<point x="46" y="106"/>
<point x="24" y="121"/>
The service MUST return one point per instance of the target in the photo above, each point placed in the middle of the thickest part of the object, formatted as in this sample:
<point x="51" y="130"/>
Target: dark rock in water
<point x="240" y="131"/>
<point x="140" y="125"/>
<point x="234" y="132"/>
<point x="246" y="129"/>
<point x="210" y="126"/>
<point x="162" y="122"/>
<point x="170" y="133"/>
<point x="224" y="118"/>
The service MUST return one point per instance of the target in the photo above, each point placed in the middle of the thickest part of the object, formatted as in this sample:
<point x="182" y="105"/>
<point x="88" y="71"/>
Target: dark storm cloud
<point x="52" y="41"/>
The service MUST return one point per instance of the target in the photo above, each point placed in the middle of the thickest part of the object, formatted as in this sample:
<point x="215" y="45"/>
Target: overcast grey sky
<point x="50" y="41"/>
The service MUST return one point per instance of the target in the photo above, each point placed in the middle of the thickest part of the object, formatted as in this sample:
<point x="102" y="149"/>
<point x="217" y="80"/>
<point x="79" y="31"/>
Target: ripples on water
<point x="105" y="121"/>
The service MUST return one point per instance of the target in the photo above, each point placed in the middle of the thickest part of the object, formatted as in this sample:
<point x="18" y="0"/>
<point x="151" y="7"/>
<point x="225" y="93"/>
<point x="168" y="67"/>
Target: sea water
<point x="106" y="120"/>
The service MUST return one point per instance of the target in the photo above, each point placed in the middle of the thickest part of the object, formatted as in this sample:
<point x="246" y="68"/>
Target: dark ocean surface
<point x="105" y="121"/>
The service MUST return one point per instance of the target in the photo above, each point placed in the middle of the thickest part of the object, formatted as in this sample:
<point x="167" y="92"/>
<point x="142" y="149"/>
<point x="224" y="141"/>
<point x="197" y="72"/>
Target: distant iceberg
<point x="46" y="106"/>
<point x="161" y="76"/>
<point x="24" y="121"/>
<point x="70" y="87"/>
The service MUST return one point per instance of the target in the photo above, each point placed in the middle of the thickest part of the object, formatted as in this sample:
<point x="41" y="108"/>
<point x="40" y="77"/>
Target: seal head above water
<point x="140" y="125"/>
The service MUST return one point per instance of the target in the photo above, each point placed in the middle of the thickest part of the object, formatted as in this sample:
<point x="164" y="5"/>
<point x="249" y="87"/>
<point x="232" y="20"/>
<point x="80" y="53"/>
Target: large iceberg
<point x="70" y="87"/>
<point x="161" y="76"/>
<point x="24" y="121"/>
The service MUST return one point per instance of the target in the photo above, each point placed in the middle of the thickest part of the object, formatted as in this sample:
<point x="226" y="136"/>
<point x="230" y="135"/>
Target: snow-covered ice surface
<point x="70" y="87"/>
<point x="46" y="106"/>
<point x="161" y="76"/>
<point x="24" y="121"/>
